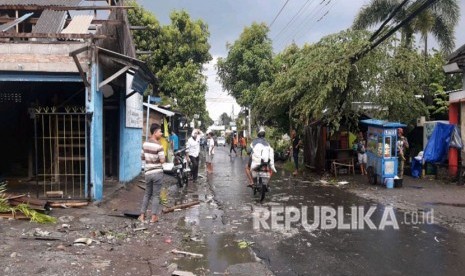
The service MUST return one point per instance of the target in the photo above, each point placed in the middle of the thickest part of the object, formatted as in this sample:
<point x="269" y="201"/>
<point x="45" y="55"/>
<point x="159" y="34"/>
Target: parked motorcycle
<point x="282" y="155"/>
<point x="261" y="177"/>
<point x="181" y="167"/>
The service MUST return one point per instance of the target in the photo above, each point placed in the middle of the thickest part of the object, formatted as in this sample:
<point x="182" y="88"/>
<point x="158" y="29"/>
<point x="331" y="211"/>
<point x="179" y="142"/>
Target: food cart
<point x="382" y="159"/>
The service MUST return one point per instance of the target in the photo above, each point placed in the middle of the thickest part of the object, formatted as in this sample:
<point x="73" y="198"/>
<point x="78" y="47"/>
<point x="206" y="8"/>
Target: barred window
<point x="6" y="97"/>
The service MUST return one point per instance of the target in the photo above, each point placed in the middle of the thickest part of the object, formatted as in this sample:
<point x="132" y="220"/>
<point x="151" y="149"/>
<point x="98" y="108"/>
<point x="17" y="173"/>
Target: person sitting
<point x="260" y="152"/>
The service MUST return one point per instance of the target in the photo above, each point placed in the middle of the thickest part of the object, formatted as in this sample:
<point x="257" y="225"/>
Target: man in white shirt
<point x="193" y="150"/>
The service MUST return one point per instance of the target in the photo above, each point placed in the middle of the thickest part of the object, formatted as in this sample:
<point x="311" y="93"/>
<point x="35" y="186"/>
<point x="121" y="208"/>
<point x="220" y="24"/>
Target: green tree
<point x="439" y="83"/>
<point x="225" y="119"/>
<point x="248" y="64"/>
<point x="321" y="81"/>
<point x="279" y="116"/>
<point x="440" y="20"/>
<point x="179" y="51"/>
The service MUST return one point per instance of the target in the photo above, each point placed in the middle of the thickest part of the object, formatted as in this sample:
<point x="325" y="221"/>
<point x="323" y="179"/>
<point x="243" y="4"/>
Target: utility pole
<point x="248" y="120"/>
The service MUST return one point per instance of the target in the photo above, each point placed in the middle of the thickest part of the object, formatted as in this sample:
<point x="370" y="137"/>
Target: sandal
<point x="141" y="219"/>
<point x="152" y="221"/>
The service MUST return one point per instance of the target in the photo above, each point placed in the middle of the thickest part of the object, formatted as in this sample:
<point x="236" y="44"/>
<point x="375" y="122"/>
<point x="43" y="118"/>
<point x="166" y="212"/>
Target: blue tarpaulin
<point x="438" y="144"/>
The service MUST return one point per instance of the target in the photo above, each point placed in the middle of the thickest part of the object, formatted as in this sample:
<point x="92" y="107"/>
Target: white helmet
<point x="261" y="130"/>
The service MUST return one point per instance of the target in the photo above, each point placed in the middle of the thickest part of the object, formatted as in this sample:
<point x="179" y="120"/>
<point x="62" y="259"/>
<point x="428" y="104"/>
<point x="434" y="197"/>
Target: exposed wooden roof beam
<point x="34" y="21"/>
<point x="60" y="8"/>
<point x="62" y="36"/>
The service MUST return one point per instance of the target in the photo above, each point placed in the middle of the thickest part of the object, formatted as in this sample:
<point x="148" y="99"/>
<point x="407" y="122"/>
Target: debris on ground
<point x="187" y="254"/>
<point x="244" y="244"/>
<point x="181" y="206"/>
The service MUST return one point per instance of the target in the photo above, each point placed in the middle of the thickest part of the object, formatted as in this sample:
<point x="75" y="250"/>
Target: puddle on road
<point x="205" y="234"/>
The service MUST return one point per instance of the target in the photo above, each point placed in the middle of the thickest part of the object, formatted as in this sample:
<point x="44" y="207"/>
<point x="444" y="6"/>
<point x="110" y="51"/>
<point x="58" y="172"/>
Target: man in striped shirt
<point x="154" y="156"/>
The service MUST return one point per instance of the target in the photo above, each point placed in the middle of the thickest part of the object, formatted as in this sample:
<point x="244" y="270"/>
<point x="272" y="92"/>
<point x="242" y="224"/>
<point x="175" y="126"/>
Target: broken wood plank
<point x="54" y="194"/>
<point x="68" y="204"/>
<point x="181" y="206"/>
<point x="33" y="203"/>
<point x="12" y="215"/>
<point x="42" y="238"/>
<point x="11" y="196"/>
<point x="185" y="253"/>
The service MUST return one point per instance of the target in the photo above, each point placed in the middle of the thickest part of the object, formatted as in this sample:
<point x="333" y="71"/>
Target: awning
<point x="160" y="110"/>
<point x="142" y="76"/>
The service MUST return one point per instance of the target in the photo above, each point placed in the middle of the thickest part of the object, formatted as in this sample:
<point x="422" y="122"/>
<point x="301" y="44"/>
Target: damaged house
<point x="71" y="113"/>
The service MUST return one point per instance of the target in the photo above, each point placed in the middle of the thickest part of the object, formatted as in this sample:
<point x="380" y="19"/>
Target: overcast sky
<point x="300" y="21"/>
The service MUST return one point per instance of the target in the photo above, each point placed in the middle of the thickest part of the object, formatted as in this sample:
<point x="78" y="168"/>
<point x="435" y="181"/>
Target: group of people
<point x="236" y="143"/>
<point x="153" y="153"/>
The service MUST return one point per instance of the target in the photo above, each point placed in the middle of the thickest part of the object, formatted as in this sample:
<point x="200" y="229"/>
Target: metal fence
<point x="61" y="152"/>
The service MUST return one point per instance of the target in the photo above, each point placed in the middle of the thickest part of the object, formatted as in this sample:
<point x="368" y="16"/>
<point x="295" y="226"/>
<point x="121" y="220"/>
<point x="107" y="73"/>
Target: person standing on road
<point x="242" y="144"/>
<point x="193" y="150"/>
<point x="174" y="140"/>
<point x="233" y="144"/>
<point x="154" y="156"/>
<point x="210" y="153"/>
<point x="402" y="147"/>
<point x="296" y="142"/>
<point x="361" y="153"/>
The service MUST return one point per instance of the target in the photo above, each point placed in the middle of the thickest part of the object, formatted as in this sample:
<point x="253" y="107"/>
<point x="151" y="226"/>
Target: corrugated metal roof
<point x="41" y="2"/>
<point x="78" y="25"/>
<point x="159" y="109"/>
<point x="50" y="22"/>
<point x="9" y="25"/>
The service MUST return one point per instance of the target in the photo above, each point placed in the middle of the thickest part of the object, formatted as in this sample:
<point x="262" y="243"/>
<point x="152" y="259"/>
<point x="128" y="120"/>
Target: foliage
<point x="439" y="83"/>
<point x="248" y="64"/>
<point x="225" y="119"/>
<point x="439" y="20"/>
<point x="179" y="51"/>
<point x="321" y="80"/>
<point x="23" y="208"/>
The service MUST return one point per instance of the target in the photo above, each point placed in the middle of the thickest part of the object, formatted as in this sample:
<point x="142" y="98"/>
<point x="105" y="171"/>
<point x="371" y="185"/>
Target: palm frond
<point x="374" y="13"/>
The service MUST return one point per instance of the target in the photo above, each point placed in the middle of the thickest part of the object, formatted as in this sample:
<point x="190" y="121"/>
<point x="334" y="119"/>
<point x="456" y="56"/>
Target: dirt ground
<point x="118" y="245"/>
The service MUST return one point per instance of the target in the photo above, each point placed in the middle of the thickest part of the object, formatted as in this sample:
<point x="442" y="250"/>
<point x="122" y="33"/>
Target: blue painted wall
<point x="95" y="105"/>
<point x="130" y="147"/>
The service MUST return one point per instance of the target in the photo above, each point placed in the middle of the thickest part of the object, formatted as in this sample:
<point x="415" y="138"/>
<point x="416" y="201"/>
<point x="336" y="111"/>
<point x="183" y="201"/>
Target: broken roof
<point x="458" y="56"/>
<point x="41" y="2"/>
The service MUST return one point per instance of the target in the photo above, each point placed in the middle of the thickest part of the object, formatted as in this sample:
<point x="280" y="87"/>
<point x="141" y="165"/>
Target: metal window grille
<point x="7" y="97"/>
<point x="61" y="155"/>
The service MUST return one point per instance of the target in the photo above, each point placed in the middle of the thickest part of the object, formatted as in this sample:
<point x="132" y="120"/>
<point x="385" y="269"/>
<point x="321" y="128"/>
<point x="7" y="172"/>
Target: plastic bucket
<point x="389" y="183"/>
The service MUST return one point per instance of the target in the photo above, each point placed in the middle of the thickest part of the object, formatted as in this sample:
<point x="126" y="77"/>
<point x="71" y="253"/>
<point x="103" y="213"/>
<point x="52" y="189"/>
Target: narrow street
<point x="413" y="249"/>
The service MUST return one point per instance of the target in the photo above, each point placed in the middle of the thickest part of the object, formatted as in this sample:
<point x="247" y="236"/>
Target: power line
<point x="315" y="16"/>
<point x="271" y="24"/>
<point x="316" y="9"/>
<point x="292" y="19"/>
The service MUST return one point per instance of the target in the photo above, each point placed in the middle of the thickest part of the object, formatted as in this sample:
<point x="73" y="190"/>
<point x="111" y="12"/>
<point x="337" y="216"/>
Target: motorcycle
<point x="261" y="177"/>
<point x="282" y="155"/>
<point x="181" y="167"/>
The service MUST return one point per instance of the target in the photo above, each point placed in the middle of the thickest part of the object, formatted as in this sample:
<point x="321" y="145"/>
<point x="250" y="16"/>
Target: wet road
<point x="413" y="249"/>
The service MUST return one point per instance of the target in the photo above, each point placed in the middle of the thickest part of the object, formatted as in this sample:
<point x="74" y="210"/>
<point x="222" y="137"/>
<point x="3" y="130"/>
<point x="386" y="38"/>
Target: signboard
<point x="134" y="109"/>
<point x="390" y="132"/>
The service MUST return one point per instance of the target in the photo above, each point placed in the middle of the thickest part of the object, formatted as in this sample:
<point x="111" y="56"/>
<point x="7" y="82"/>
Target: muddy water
<point x="412" y="249"/>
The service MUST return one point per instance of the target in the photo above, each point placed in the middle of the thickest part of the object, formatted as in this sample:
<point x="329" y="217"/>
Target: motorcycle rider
<point x="257" y="147"/>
